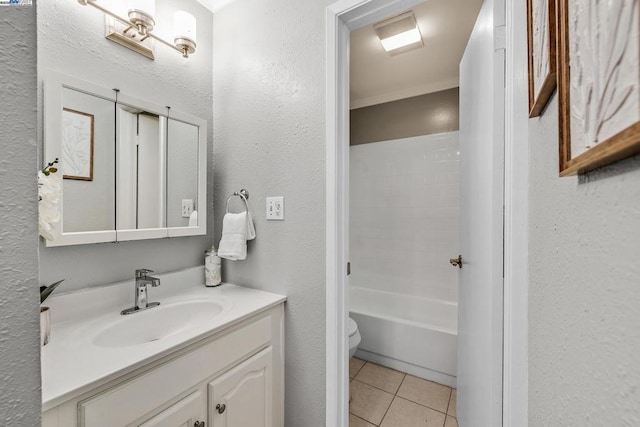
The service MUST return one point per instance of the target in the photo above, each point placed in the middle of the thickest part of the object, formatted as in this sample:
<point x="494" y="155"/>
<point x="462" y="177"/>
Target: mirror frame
<point x="54" y="84"/>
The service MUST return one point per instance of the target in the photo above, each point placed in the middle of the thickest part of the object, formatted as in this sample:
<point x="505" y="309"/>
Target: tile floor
<point x="387" y="398"/>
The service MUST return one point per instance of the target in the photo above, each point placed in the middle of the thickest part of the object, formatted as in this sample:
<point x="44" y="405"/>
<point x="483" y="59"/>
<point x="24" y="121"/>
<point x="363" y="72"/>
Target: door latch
<point x="456" y="262"/>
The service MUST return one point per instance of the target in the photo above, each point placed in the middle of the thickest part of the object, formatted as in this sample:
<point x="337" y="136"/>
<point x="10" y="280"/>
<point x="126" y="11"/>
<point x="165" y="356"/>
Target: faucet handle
<point x="142" y="272"/>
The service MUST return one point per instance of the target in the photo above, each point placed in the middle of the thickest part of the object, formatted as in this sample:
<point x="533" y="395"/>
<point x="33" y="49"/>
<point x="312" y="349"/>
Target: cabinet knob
<point x="221" y="407"/>
<point x="199" y="424"/>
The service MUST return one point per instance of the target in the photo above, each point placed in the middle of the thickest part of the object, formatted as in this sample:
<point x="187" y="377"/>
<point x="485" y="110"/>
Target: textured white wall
<point x="19" y="300"/>
<point x="584" y="291"/>
<point x="405" y="215"/>
<point x="71" y="40"/>
<point x="269" y="86"/>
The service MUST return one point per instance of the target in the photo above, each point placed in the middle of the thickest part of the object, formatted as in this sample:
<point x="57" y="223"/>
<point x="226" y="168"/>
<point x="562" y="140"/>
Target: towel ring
<point x="243" y="194"/>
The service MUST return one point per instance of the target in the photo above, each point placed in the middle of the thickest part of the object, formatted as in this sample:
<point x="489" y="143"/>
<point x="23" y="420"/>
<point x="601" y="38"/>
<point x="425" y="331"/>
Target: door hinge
<point x="348" y="268"/>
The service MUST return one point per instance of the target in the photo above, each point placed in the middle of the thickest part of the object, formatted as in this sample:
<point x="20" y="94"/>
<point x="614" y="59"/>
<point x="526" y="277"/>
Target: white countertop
<point x="72" y="364"/>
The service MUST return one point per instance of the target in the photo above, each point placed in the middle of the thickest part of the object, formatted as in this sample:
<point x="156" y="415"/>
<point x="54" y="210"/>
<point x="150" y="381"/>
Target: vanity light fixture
<point x="399" y="34"/>
<point x="136" y="30"/>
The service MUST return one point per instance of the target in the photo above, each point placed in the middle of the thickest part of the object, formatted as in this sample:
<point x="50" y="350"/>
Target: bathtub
<point x="414" y="335"/>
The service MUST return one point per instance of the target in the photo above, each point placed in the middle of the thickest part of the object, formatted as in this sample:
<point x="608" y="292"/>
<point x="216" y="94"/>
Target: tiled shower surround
<point x="404" y="227"/>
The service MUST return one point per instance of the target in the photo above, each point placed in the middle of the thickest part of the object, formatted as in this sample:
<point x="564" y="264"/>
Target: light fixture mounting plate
<point x="128" y="37"/>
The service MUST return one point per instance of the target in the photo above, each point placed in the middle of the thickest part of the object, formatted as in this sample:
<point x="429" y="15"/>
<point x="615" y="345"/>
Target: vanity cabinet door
<point x="188" y="412"/>
<point x="243" y="396"/>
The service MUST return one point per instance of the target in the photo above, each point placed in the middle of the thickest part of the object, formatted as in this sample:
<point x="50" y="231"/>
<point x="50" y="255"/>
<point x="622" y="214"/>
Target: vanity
<point x="179" y="354"/>
<point x="202" y="357"/>
<point x="130" y="136"/>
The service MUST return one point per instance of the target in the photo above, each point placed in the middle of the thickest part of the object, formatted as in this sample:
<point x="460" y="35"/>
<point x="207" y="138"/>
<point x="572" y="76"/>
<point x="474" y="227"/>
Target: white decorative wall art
<point x="599" y="83"/>
<point x="541" y="30"/>
<point x="77" y="145"/>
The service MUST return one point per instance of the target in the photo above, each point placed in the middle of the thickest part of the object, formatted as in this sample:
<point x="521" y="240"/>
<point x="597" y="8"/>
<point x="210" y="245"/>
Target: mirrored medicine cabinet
<point x="131" y="169"/>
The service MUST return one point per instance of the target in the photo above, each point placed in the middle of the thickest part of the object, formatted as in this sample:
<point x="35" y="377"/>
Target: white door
<point x="481" y="222"/>
<point x="242" y="396"/>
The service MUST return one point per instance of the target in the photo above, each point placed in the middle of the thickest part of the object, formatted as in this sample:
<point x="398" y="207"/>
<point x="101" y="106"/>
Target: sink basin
<point x="157" y="323"/>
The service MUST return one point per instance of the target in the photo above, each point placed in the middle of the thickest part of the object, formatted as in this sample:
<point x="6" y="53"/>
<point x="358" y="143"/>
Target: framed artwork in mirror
<point x="541" y="36"/>
<point x="77" y="145"/>
<point x="598" y="83"/>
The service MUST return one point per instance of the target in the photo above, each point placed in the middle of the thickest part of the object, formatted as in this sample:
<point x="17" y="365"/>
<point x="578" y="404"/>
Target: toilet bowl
<point x="354" y="337"/>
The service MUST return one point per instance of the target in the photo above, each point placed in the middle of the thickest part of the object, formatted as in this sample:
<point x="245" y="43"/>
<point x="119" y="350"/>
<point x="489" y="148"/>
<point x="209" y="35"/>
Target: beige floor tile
<point x="378" y="376"/>
<point x="403" y="413"/>
<point x="451" y="422"/>
<point x="452" y="403"/>
<point x="355" y="365"/>
<point x="368" y="402"/>
<point x="358" y="422"/>
<point x="426" y="393"/>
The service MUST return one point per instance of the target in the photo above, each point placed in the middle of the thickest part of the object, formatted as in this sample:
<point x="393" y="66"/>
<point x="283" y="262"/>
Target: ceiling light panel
<point x="399" y="34"/>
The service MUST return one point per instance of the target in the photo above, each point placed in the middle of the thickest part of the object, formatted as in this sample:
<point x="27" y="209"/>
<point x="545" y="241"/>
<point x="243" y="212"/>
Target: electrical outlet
<point x="187" y="208"/>
<point x="275" y="208"/>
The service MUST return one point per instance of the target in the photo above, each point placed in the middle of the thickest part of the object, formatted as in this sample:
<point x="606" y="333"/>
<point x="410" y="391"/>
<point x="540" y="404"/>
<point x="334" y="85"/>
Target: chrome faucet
<point x="141" y="299"/>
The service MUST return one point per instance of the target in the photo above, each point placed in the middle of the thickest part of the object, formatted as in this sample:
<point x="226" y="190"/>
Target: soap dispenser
<point x="212" y="268"/>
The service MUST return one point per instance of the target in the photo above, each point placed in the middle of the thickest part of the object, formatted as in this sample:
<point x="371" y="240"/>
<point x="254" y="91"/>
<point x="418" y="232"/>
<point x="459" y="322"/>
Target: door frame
<point x="516" y="219"/>
<point x="343" y="17"/>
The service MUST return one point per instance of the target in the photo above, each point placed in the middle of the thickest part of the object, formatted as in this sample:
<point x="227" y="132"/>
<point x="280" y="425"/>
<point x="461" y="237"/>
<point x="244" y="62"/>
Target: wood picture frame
<point x="541" y="42"/>
<point x="77" y="145"/>
<point x="599" y="104"/>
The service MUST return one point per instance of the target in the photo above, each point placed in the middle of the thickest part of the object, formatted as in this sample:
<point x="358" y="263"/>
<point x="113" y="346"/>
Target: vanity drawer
<point x="135" y="398"/>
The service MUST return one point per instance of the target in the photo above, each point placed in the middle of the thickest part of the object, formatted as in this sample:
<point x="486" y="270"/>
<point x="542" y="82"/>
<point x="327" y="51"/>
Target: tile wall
<point x="405" y="213"/>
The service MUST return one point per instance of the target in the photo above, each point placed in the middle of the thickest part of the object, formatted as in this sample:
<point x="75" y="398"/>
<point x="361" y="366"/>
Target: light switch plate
<point x="275" y="208"/>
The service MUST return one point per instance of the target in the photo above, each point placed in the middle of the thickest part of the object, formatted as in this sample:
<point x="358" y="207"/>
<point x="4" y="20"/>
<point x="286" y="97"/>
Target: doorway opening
<point x="343" y="18"/>
<point x="404" y="213"/>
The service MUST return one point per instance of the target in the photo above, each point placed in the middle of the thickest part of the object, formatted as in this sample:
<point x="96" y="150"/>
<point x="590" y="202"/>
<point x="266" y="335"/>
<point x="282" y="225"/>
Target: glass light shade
<point x="401" y="40"/>
<point x="184" y="25"/>
<point x="147" y="6"/>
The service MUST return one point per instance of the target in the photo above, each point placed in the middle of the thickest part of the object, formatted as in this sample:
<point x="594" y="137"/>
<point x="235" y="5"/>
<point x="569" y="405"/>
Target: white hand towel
<point x="193" y="219"/>
<point x="236" y="230"/>
<point x="251" y="229"/>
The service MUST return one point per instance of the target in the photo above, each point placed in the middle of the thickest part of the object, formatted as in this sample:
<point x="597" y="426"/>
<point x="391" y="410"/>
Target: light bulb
<point x="401" y="40"/>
